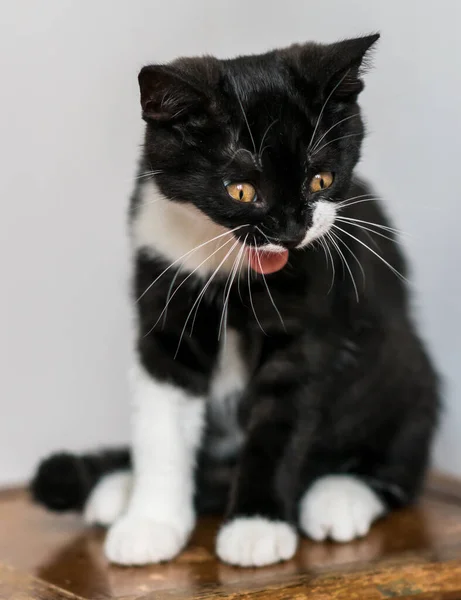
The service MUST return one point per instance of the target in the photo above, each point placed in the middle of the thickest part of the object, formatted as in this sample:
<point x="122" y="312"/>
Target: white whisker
<point x="326" y="248"/>
<point x="269" y="293"/>
<point x="262" y="233"/>
<point x="149" y="202"/>
<point x="226" y="291"/>
<point x="384" y="227"/>
<point x="373" y="197"/>
<point x="360" y="226"/>
<point x="184" y="256"/>
<point x="226" y="300"/>
<point x="340" y="252"/>
<point x="335" y="246"/>
<point x="145" y="175"/>
<point x="393" y="269"/>
<point x="353" y="254"/>
<point x="170" y="298"/>
<point x="323" y="109"/>
<point x="170" y="289"/>
<point x="200" y="296"/>
<point x="346" y="203"/>
<point x="268" y="236"/>
<point x="343" y="137"/>
<point x="316" y="145"/>
<point x="264" y="137"/>
<point x="240" y="269"/>
<point x="246" y="121"/>
<point x="251" y="300"/>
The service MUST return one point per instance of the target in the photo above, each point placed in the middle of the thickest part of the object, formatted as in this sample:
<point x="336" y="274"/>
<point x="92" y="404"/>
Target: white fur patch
<point x="340" y="507"/>
<point x="274" y="248"/>
<point x="174" y="229"/>
<point x="322" y="220"/>
<point x="109" y="499"/>
<point x="228" y="382"/>
<point x="136" y="540"/>
<point x="255" y="542"/>
<point x="167" y="429"/>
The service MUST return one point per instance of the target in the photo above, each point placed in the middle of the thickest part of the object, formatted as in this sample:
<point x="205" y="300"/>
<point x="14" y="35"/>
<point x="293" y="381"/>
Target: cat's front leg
<point x="260" y="528"/>
<point x="167" y="425"/>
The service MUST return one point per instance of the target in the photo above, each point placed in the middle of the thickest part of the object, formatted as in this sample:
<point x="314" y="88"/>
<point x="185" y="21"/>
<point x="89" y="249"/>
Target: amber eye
<point x="321" y="181"/>
<point x="243" y="192"/>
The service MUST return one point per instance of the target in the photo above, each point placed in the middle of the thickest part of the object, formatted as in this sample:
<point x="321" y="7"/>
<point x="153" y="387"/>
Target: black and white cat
<point x="278" y="375"/>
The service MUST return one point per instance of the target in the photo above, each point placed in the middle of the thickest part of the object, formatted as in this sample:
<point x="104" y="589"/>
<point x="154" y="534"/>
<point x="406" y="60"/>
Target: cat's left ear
<point x="346" y="61"/>
<point x="336" y="69"/>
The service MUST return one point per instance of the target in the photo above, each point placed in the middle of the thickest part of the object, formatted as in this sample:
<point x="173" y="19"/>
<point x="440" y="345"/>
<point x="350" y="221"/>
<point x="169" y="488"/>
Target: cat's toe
<point x="140" y="541"/>
<point x="255" y="542"/>
<point x="339" y="507"/>
<point x="108" y="500"/>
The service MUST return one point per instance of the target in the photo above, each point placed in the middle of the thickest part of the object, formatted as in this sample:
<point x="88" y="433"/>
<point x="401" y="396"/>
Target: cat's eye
<point x="321" y="181"/>
<point x="241" y="191"/>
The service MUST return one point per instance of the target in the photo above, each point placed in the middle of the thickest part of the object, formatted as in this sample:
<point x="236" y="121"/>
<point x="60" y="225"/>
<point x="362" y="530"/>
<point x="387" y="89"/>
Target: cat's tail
<point x="64" y="481"/>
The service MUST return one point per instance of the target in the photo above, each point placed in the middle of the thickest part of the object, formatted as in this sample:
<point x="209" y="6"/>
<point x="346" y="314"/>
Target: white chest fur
<point x="228" y="383"/>
<point x="174" y="230"/>
<point x="180" y="232"/>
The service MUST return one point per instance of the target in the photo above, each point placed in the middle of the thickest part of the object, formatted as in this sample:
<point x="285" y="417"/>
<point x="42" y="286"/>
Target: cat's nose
<point x="292" y="239"/>
<point x="291" y="244"/>
<point x="292" y="233"/>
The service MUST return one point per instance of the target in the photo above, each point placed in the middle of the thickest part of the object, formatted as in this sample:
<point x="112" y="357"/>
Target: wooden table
<point x="412" y="554"/>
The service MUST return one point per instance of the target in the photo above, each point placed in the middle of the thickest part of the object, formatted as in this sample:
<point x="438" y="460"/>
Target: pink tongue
<point x="267" y="262"/>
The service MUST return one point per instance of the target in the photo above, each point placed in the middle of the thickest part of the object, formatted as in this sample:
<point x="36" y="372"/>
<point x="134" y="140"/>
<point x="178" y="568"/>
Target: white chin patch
<point x="322" y="221"/>
<point x="274" y="248"/>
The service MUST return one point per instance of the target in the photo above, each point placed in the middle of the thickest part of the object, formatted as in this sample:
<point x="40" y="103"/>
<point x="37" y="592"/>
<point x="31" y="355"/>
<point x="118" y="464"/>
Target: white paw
<point x="255" y="542"/>
<point x="109" y="499"/>
<point x="141" y="540"/>
<point x="340" y="507"/>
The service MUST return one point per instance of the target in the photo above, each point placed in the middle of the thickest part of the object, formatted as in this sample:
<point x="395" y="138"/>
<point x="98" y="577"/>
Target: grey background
<point x="70" y="129"/>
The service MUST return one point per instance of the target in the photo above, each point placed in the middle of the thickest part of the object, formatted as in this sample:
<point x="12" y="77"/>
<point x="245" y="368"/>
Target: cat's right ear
<point x="166" y="95"/>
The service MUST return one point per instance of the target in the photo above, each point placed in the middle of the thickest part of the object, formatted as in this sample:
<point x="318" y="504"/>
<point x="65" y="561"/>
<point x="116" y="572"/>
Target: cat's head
<point x="265" y="145"/>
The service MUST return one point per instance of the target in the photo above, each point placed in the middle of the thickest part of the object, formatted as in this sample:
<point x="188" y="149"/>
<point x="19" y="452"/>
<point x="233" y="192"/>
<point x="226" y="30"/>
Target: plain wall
<point x="69" y="134"/>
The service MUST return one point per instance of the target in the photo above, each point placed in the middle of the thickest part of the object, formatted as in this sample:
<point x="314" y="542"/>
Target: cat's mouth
<point x="266" y="260"/>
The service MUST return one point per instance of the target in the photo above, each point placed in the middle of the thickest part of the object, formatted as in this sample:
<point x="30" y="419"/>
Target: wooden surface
<point x="412" y="554"/>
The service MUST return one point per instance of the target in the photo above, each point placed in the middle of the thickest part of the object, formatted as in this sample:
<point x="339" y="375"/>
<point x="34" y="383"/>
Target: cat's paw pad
<point x="108" y="500"/>
<point x="140" y="541"/>
<point x="255" y="542"/>
<point x="339" y="507"/>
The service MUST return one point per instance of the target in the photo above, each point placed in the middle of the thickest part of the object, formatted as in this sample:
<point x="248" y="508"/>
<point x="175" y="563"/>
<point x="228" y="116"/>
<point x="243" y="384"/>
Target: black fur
<point x="344" y="385"/>
<point x="64" y="481"/>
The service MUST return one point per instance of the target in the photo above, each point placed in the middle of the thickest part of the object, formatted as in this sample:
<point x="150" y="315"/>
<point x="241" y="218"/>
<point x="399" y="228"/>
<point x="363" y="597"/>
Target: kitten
<point x="277" y="370"/>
